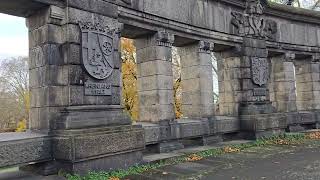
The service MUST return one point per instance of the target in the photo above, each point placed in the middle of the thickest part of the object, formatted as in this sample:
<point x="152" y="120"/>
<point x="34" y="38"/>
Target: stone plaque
<point x="97" y="49"/>
<point x="97" y="89"/>
<point x="260" y="70"/>
<point x="259" y="91"/>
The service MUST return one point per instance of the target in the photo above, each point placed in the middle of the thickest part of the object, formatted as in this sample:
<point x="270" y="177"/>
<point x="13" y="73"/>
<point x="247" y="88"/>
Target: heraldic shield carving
<point x="260" y="70"/>
<point x="97" y="49"/>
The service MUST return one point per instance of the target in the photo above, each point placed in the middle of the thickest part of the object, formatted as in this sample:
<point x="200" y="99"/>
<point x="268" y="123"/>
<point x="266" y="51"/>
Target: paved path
<point x="274" y="162"/>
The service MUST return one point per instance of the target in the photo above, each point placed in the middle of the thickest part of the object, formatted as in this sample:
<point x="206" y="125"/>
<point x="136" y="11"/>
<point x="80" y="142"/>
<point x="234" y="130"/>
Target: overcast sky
<point x="13" y="36"/>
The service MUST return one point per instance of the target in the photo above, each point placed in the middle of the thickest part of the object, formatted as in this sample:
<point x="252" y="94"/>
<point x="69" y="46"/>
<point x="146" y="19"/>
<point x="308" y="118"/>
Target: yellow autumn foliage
<point x="22" y="125"/>
<point x="129" y="78"/>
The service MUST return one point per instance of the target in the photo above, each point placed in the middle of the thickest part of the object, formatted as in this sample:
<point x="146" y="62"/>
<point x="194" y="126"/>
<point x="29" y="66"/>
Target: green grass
<point x="286" y="139"/>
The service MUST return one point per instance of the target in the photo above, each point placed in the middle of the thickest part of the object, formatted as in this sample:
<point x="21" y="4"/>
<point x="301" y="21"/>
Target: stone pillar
<point x="48" y="75"/>
<point x="197" y="80"/>
<point x="75" y="79"/>
<point x="230" y="72"/>
<point x="308" y="89"/>
<point x="257" y="116"/>
<point x="283" y="89"/>
<point x="155" y="77"/>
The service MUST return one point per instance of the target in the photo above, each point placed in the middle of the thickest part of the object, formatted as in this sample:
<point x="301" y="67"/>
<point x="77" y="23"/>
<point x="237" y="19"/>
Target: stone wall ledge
<point x="188" y="128"/>
<point x="23" y="148"/>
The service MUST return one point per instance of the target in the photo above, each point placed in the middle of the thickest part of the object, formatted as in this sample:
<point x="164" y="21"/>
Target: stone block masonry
<point x="268" y="71"/>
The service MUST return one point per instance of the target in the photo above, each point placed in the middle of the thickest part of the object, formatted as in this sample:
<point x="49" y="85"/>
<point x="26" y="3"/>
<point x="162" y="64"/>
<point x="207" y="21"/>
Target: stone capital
<point x="206" y="47"/>
<point x="56" y="13"/>
<point x="315" y="58"/>
<point x="164" y="38"/>
<point x="289" y="57"/>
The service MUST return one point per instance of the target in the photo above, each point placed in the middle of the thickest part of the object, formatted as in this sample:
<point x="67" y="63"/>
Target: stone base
<point x="164" y="147"/>
<point x="209" y="140"/>
<point x="77" y="117"/>
<point x="117" y="161"/>
<point x="44" y="169"/>
<point x="263" y="125"/>
<point x="262" y="134"/>
<point x="93" y="149"/>
<point x="295" y="128"/>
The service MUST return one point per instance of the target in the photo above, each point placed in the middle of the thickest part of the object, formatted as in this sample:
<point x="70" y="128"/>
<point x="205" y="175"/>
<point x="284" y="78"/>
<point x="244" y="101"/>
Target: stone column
<point x="75" y="81"/>
<point x="230" y="72"/>
<point x="257" y="116"/>
<point x="308" y="89"/>
<point x="197" y="80"/>
<point x="283" y="88"/>
<point x="155" y="77"/>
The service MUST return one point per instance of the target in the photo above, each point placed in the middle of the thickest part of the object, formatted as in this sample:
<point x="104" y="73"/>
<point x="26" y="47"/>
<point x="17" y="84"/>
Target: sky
<point x="13" y="36"/>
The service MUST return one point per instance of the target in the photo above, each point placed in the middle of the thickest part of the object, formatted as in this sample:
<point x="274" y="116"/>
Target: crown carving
<point x="97" y="27"/>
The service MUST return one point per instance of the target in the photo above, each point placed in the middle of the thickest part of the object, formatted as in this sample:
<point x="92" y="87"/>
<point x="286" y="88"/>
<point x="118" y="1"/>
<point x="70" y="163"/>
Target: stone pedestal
<point x="98" y="149"/>
<point x="155" y="78"/>
<point x="77" y="117"/>
<point x="197" y="80"/>
<point x="257" y="126"/>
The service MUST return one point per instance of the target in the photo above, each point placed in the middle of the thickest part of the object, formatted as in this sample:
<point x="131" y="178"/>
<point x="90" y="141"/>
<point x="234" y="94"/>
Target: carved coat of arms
<point x="252" y="23"/>
<point x="260" y="70"/>
<point x="97" y="50"/>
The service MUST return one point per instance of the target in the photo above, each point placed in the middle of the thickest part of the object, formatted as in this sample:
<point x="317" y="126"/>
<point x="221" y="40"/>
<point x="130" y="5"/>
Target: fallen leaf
<point x="194" y="157"/>
<point x="114" y="178"/>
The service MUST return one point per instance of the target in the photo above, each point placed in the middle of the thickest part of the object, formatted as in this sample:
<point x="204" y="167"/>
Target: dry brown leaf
<point x="194" y="157"/>
<point x="114" y="178"/>
<point x="231" y="149"/>
<point x="313" y="135"/>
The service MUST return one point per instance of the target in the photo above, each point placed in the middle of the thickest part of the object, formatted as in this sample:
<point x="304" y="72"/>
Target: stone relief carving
<point x="251" y="23"/>
<point x="260" y="70"/>
<point x="97" y="49"/>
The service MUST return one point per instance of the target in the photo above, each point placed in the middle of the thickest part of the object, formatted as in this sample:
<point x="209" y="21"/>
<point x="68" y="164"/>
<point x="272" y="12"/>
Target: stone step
<point x="157" y="157"/>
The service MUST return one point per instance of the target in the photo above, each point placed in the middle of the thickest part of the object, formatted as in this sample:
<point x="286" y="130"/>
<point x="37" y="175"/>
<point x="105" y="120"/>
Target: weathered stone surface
<point x="226" y="124"/>
<point x="77" y="117"/>
<point x="95" y="6"/>
<point x="164" y="147"/>
<point x="77" y="145"/>
<point x="263" y="122"/>
<point x="23" y="148"/>
<point x="155" y="77"/>
<point x="96" y="149"/>
<point x="108" y="163"/>
<point x="196" y="80"/>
